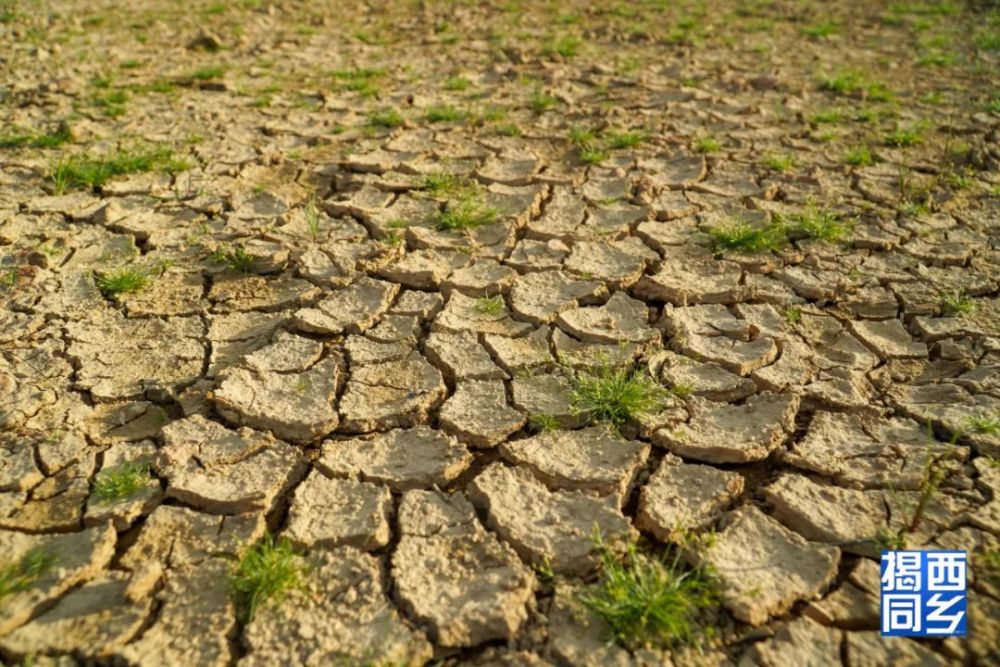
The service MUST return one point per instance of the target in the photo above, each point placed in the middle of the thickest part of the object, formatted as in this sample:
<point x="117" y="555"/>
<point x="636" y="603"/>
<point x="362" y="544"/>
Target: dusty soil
<point x="315" y="353"/>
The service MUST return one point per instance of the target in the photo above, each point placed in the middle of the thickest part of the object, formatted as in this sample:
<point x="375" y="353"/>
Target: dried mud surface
<point x="315" y="353"/>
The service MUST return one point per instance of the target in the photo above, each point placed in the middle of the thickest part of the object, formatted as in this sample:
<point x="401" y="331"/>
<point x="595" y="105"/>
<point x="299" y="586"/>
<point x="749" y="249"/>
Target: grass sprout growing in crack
<point x="779" y="162"/>
<point x="859" y="156"/>
<point x="267" y="571"/>
<point x="237" y="259"/>
<point x="442" y="114"/>
<point x="19" y="576"/>
<point x="543" y="423"/>
<point x="493" y="306"/>
<point x="312" y="219"/>
<point x="387" y="118"/>
<point x="539" y="102"/>
<point x="93" y="172"/>
<point x="818" y="224"/>
<point x="19" y="139"/>
<point x="648" y="601"/>
<point x="740" y="235"/>
<point x="707" y="145"/>
<point x="466" y="213"/>
<point x="118" y="482"/>
<point x="614" y="395"/>
<point x="121" y="281"/>
<point x="988" y="424"/>
<point x="957" y="303"/>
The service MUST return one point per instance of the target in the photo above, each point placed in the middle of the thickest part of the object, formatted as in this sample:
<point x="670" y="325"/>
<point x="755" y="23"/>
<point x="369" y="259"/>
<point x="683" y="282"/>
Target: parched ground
<point x="335" y="271"/>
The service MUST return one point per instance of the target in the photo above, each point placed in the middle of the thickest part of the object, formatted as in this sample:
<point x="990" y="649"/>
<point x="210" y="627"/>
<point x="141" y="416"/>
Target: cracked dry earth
<point x="350" y="381"/>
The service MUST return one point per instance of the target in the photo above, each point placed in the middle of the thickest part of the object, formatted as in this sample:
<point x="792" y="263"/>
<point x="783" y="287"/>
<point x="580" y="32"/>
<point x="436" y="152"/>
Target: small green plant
<point x="859" y="156"/>
<point x="447" y="184"/>
<point x="853" y="82"/>
<point x="826" y="117"/>
<point x="647" y="601"/>
<point x="19" y="139"/>
<point x="822" y="29"/>
<point x="779" y="162"/>
<point x="237" y="259"/>
<point x="621" y="140"/>
<point x="543" y="423"/>
<point x="539" y="102"/>
<point x="707" y="144"/>
<point x="118" y="482"/>
<point x="741" y="236"/>
<point x="466" y="213"/>
<point x="956" y="303"/>
<point x="818" y="224"/>
<point x="442" y="114"/>
<point x="387" y="118"/>
<point x="614" y="395"/>
<point x="508" y="130"/>
<point x="793" y="315"/>
<point x="681" y="390"/>
<point x="267" y="571"/>
<point x="457" y="84"/>
<point x="208" y="73"/>
<point x="493" y="306"/>
<point x="93" y="172"/>
<point x="983" y="423"/>
<point x="19" y="576"/>
<point x="566" y="46"/>
<point x="121" y="281"/>
<point x="902" y="137"/>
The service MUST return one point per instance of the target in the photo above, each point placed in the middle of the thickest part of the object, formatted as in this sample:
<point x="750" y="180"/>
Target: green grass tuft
<point x="237" y="259"/>
<point x="621" y="140"/>
<point x="119" y="482"/>
<point x="818" y="224"/>
<point x="566" y="46"/>
<point x="121" y="281"/>
<point x="539" y="102"/>
<point x="648" y="602"/>
<point x="615" y="395"/>
<point x="208" y="73"/>
<point x="543" y="423"/>
<point x="443" y="114"/>
<point x="707" y="145"/>
<point x="988" y="424"/>
<point x="902" y="137"/>
<point x="457" y="84"/>
<point x="267" y="571"/>
<point x="956" y="303"/>
<point x="859" y="156"/>
<point x="19" y="576"/>
<point x="466" y="213"/>
<point x="93" y="172"/>
<point x="19" y="139"/>
<point x="779" y="162"/>
<point x="493" y="306"/>
<point x="388" y="118"/>
<point x="741" y="236"/>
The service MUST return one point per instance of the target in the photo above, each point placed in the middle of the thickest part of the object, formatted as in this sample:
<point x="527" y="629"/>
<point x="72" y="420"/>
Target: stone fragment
<point x="619" y="264"/>
<point x="540" y="296"/>
<point x="888" y="339"/>
<point x="707" y="380"/>
<point x="397" y="394"/>
<point x="342" y="614"/>
<point x="724" y="433"/>
<point x="622" y="318"/>
<point x="463" y="313"/>
<point x="799" y="642"/>
<point x="352" y="309"/>
<point x="577" y="637"/>
<point x="711" y="333"/>
<point x="478" y="414"/>
<point x="764" y="567"/>
<point x="61" y="562"/>
<point x="485" y="277"/>
<point x="689" y="282"/>
<point x="681" y="497"/>
<point x="460" y="356"/>
<point x="547" y="396"/>
<point x="329" y="513"/>
<point x="226" y="472"/>
<point x="453" y="576"/>
<point x="517" y="356"/>
<point x="593" y="459"/>
<point x="96" y="617"/>
<point x="850" y="518"/>
<point x="556" y="528"/>
<point x="402" y="459"/>
<point x="870" y="649"/>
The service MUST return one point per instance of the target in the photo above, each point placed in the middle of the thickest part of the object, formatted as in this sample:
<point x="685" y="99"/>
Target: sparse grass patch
<point x="853" y="82"/>
<point x="267" y="571"/>
<point x="984" y="423"/>
<point x="494" y="306"/>
<point x="648" y="602"/>
<point x="622" y="140"/>
<point x="121" y="281"/>
<point x="793" y="315"/>
<point x="825" y="117"/>
<point x="457" y="84"/>
<point x="956" y="303"/>
<point x="443" y="113"/>
<point x="614" y="395"/>
<point x="566" y="46"/>
<point x="16" y="138"/>
<point x="467" y="212"/>
<point x="312" y="218"/>
<point x="539" y="102"/>
<point x="779" y="162"/>
<point x="859" y="156"/>
<point x="707" y="144"/>
<point x="543" y="423"/>
<point x="818" y="224"/>
<point x="19" y="576"/>
<point x="741" y="236"/>
<point x="208" y="73"/>
<point x="821" y="29"/>
<point x="902" y="137"/>
<point x="387" y="118"/>
<point x="237" y="259"/>
<point x="93" y="172"/>
<point x="119" y="482"/>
